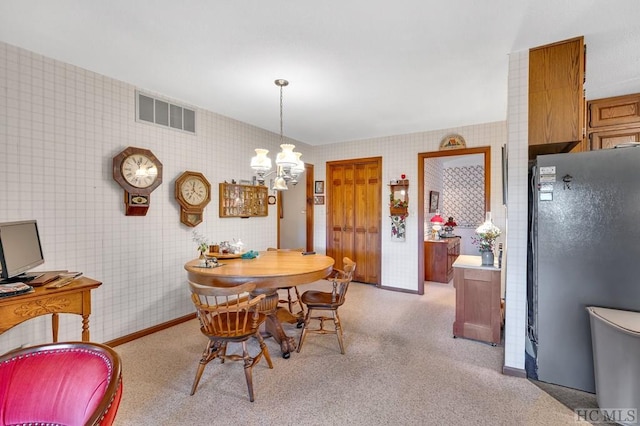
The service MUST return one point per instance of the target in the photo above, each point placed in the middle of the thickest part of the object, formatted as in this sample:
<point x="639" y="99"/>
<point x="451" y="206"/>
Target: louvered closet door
<point x="353" y="206"/>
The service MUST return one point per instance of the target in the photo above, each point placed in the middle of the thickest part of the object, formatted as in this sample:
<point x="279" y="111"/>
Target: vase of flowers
<point x="485" y="240"/>
<point x="203" y="245"/>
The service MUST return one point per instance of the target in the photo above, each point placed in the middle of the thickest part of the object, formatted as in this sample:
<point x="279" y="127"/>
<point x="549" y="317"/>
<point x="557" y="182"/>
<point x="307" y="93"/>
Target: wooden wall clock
<point x="193" y="193"/>
<point x="138" y="172"/>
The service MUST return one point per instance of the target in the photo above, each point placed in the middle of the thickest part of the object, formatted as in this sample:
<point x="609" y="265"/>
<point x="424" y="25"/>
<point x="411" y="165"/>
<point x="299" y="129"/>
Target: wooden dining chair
<point x="229" y="315"/>
<point x="293" y="302"/>
<point x="328" y="301"/>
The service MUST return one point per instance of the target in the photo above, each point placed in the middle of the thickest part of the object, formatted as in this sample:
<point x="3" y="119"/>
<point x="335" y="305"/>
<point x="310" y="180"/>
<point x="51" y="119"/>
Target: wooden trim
<point x="515" y="372"/>
<point x="400" y="290"/>
<point x="309" y="206"/>
<point x="558" y="43"/>
<point x="351" y="161"/>
<point x="150" y="330"/>
<point x="486" y="150"/>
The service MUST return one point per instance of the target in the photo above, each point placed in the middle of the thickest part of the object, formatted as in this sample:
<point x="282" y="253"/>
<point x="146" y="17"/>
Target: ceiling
<point x="357" y="68"/>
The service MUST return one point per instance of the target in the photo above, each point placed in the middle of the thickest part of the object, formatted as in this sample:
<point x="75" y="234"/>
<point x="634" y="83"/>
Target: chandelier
<point x="289" y="166"/>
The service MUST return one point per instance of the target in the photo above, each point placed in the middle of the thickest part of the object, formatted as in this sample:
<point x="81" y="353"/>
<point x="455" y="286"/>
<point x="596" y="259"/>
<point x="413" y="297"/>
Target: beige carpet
<point x="401" y="367"/>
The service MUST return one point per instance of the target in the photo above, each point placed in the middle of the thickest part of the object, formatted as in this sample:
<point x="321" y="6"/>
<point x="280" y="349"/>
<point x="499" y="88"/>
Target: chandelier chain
<point x="281" y="128"/>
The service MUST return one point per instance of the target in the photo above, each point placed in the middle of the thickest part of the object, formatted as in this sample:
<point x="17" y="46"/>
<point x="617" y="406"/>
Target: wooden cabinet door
<point x="556" y="97"/>
<point x="620" y="111"/>
<point x="610" y="138"/>
<point x="477" y="304"/>
<point x="453" y="251"/>
<point x="354" y="215"/>
<point x="614" y="121"/>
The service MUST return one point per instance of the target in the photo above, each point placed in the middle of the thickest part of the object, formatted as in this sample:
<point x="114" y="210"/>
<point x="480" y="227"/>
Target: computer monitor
<point x="20" y="248"/>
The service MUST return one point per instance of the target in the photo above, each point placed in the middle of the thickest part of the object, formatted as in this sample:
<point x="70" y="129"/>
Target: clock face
<point x="194" y="191"/>
<point x="139" y="171"/>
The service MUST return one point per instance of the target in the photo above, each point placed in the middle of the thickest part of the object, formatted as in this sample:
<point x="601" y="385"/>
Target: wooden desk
<point x="74" y="298"/>
<point x="270" y="271"/>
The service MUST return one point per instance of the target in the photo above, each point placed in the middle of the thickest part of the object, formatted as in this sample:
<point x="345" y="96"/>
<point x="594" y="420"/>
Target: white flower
<point x="489" y="229"/>
<point x="487" y="234"/>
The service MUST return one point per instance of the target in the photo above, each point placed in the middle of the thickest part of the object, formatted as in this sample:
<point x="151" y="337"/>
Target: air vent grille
<point x="164" y="113"/>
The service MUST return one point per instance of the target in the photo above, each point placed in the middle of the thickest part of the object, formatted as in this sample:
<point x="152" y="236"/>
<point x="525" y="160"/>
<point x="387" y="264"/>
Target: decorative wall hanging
<point x="399" y="208"/>
<point x="434" y="201"/>
<point x="398" y="228"/>
<point x="452" y="141"/>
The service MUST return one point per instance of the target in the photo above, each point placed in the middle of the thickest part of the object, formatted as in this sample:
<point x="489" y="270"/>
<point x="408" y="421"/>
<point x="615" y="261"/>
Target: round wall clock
<point x="193" y="193"/>
<point x="138" y="172"/>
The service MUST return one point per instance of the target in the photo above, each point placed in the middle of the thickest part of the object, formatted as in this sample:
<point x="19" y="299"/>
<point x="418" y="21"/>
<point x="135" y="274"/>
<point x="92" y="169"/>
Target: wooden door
<point x="340" y="238"/>
<point x="354" y="215"/>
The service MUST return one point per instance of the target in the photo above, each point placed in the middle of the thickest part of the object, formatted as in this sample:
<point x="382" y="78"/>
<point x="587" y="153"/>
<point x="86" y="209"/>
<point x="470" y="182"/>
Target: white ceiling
<point x="357" y="68"/>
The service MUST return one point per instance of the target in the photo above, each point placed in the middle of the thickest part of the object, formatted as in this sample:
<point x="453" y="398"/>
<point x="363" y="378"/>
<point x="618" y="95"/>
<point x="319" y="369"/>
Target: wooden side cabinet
<point x="439" y="256"/>
<point x="556" y="97"/>
<point x="478" y="301"/>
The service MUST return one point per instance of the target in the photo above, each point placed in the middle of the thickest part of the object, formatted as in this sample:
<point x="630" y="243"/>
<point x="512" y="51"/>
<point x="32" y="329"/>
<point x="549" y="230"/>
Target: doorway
<point x="422" y="170"/>
<point x="295" y="213"/>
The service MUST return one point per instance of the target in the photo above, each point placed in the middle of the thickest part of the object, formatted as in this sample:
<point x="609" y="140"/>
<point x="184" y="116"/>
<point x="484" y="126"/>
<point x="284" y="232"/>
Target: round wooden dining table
<point x="269" y="271"/>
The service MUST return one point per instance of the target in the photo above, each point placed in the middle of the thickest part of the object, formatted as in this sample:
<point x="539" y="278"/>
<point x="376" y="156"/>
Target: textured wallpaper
<point x="463" y="195"/>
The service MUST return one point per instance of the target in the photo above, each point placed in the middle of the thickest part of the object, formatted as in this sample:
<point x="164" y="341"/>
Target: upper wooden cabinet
<point x="556" y="97"/>
<point x="613" y="121"/>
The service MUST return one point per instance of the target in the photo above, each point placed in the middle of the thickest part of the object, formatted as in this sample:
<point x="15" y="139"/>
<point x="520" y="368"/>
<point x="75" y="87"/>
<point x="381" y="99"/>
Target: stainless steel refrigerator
<point x="584" y="250"/>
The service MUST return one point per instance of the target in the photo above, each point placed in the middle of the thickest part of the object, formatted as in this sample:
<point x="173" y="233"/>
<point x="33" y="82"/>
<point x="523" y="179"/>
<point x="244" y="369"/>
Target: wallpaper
<point x="463" y="195"/>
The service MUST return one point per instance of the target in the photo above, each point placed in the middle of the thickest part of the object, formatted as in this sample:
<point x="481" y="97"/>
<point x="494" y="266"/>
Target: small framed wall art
<point x="434" y="200"/>
<point x="319" y="187"/>
<point x="318" y="199"/>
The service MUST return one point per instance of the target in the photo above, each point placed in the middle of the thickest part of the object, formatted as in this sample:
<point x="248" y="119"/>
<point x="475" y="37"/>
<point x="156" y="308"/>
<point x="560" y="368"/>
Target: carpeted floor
<point x="401" y="367"/>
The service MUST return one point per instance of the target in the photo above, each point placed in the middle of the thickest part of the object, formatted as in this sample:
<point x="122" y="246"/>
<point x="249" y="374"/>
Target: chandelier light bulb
<point x="280" y="184"/>
<point x="299" y="167"/>
<point x="286" y="157"/>
<point x="261" y="163"/>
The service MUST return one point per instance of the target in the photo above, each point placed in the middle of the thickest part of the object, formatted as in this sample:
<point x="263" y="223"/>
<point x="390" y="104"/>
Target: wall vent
<point x="164" y="113"/>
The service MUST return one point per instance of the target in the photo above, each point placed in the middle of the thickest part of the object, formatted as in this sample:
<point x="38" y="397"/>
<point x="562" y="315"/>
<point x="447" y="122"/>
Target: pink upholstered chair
<point x="73" y="383"/>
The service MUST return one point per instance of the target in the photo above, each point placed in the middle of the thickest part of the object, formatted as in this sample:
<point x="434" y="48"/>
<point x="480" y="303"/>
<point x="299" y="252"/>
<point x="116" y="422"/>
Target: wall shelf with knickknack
<point x="243" y="200"/>
<point x="399" y="198"/>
